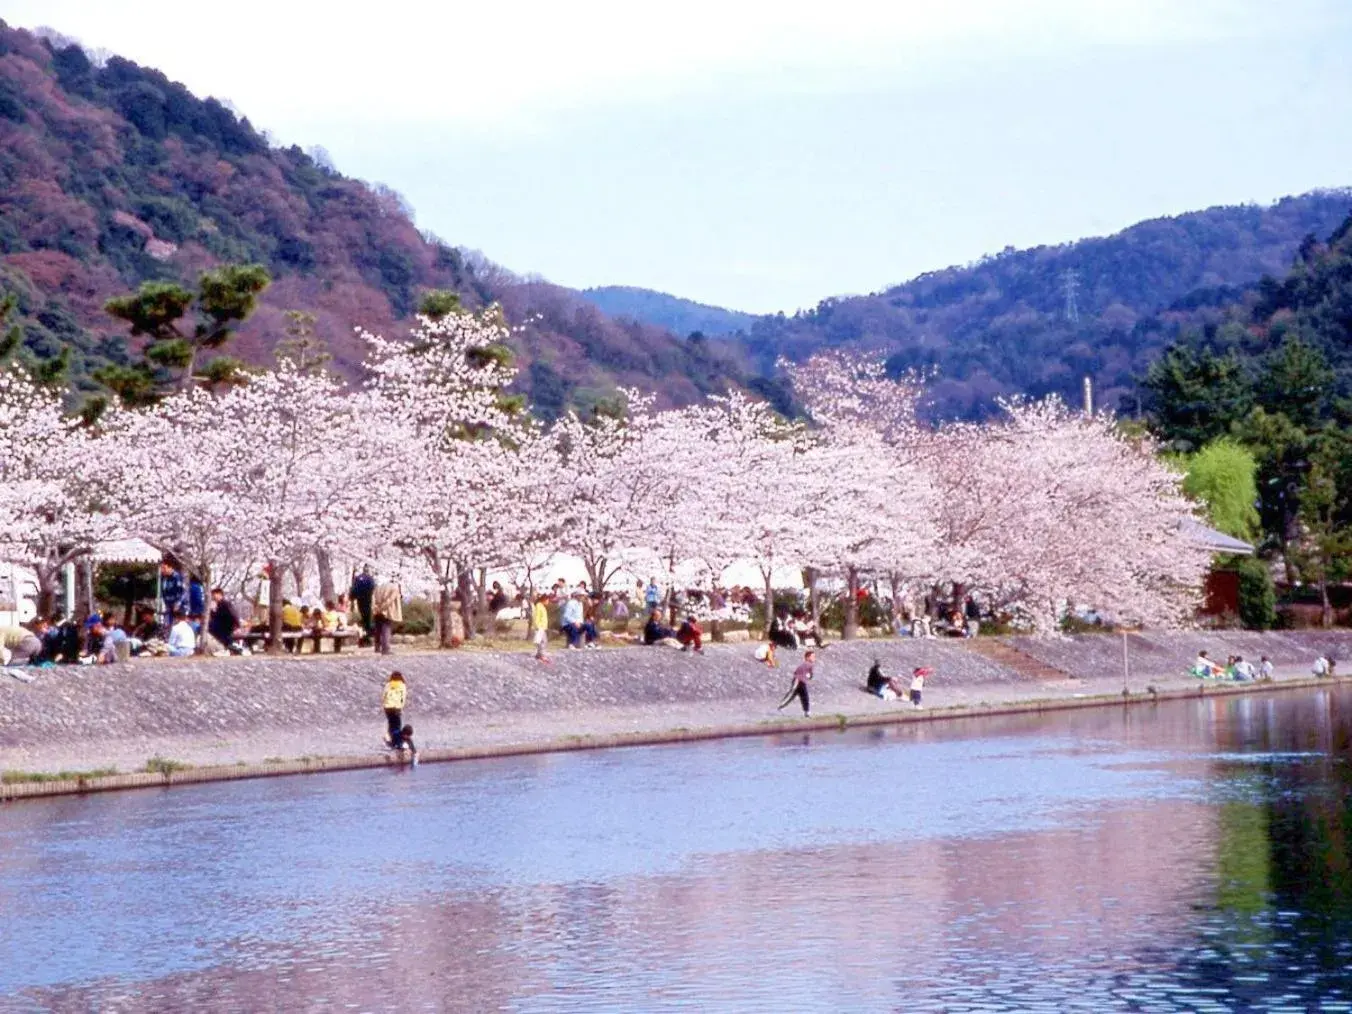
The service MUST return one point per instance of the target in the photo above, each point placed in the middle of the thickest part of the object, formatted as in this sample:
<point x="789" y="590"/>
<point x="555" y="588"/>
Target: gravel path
<point x="250" y="710"/>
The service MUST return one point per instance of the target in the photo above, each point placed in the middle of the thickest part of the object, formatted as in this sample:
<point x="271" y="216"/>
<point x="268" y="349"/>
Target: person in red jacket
<point x="798" y="688"/>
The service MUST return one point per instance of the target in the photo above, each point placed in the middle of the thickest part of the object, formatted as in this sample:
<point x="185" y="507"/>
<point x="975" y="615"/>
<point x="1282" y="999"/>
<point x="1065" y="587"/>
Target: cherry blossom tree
<point x="868" y="440"/>
<point x="54" y="479"/>
<point x="616" y="481"/>
<point x="469" y="466"/>
<point x="1048" y="508"/>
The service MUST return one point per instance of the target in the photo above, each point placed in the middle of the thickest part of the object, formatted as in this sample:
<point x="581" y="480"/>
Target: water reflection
<point x="1188" y="856"/>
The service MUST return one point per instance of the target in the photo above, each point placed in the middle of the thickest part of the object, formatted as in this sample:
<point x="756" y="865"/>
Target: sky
<point x="764" y="156"/>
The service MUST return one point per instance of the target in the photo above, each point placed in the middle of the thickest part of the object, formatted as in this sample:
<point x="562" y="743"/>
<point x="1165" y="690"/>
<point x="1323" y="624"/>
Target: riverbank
<point x="196" y="720"/>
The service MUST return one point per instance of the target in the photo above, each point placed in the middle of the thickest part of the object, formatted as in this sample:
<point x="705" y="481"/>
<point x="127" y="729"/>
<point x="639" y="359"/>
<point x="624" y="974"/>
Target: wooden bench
<point x="293" y="639"/>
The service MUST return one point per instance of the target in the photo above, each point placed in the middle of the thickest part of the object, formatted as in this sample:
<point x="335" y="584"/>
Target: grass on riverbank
<point x="30" y="777"/>
<point x="158" y="765"/>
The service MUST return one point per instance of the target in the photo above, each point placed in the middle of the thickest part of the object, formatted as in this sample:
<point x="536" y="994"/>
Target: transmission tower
<point x="1070" y="282"/>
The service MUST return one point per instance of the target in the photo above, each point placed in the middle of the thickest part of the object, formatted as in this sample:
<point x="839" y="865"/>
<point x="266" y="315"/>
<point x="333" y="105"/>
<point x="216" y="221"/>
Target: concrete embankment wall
<point x="153" y="697"/>
<point x="1169" y="653"/>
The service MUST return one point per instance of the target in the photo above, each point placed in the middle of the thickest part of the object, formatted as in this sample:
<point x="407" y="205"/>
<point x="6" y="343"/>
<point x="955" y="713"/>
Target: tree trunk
<point x="1326" y="610"/>
<point x="769" y="601"/>
<point x="814" y="598"/>
<point x="46" y="591"/>
<point x="850" y="629"/>
<point x="274" y="608"/>
<point x="481" y="588"/>
<point x="203" y="575"/>
<point x="445" y="613"/>
<point x="465" y="586"/>
<point x="324" y="561"/>
<point x="671" y="589"/>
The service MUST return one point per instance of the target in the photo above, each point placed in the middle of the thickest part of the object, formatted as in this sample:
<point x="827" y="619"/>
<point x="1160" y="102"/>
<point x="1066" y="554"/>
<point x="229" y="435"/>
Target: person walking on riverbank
<point x="798" y="688"/>
<point x="362" y="590"/>
<point x="394" y="699"/>
<point x="539" y="623"/>
<point x="918" y="686"/>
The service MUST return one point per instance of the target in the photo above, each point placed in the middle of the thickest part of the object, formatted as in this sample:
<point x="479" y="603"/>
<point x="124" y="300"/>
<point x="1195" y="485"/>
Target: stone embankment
<point x="263" y="715"/>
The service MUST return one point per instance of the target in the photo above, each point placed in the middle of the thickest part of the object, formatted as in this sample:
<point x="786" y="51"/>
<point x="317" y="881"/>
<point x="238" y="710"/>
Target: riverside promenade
<point x="199" y="719"/>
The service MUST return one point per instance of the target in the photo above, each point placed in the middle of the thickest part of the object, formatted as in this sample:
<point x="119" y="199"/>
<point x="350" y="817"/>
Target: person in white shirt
<point x="1265" y="668"/>
<point x="182" y="639"/>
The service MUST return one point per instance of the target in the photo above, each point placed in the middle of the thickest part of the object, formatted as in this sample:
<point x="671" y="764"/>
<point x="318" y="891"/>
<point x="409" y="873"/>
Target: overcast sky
<point x="763" y="156"/>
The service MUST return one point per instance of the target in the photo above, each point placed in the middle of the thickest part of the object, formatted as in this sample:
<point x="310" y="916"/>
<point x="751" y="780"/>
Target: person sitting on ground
<point x="807" y="631"/>
<point x="145" y="628"/>
<point x="573" y="622"/>
<point x="182" y="640"/>
<point x="691" y="636"/>
<point x="1204" y="668"/>
<point x="1323" y="666"/>
<point x="766" y="653"/>
<point x="878" y="684"/>
<point x="49" y="638"/>
<point x="113" y="636"/>
<point x="224" y="622"/>
<point x="782" y="633"/>
<point x="497" y="599"/>
<point x="1243" y="671"/>
<point x="655" y="633"/>
<point x="18" y="646"/>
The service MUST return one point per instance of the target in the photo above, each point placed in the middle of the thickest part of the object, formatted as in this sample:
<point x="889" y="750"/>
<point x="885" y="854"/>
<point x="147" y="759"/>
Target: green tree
<point x="1194" y="396"/>
<point x="1282" y="450"/>
<point x="1222" y="476"/>
<point x="1297" y="382"/>
<point x="51" y="372"/>
<point x="1324" y="553"/>
<point x="301" y="347"/>
<point x="180" y="327"/>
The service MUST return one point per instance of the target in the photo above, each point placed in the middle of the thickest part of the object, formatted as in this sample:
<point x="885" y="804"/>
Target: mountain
<point x="1007" y="324"/>
<point x="683" y="316"/>
<point x="111" y="175"/>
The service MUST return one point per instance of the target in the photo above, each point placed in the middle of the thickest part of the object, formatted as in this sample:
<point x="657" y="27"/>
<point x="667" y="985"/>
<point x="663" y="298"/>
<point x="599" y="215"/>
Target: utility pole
<point x="1088" y="396"/>
<point x="1070" y="283"/>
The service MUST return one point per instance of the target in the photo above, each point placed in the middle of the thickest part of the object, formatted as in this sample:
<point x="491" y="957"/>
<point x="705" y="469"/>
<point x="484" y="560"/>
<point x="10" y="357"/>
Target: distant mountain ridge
<point x="683" y="316"/>
<point x="1006" y="325"/>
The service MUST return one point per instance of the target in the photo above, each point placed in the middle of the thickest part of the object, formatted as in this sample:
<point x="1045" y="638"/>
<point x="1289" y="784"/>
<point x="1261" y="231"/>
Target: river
<point x="1187" y="856"/>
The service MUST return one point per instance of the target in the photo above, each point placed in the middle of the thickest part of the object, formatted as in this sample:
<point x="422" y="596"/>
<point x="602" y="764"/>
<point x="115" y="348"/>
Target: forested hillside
<point x="1270" y="376"/>
<point x="111" y="175"/>
<point x="683" y="316"/>
<point x="1001" y="326"/>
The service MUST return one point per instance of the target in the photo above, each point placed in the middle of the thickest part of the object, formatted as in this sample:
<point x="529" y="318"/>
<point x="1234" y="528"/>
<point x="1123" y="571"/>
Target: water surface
<point x="1189" y="856"/>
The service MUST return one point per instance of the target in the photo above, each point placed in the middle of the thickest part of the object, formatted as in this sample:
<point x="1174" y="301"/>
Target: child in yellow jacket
<point x="394" y="698"/>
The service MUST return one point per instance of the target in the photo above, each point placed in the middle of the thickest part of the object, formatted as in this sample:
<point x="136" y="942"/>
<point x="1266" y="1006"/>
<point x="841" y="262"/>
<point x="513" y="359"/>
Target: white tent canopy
<point x="125" y="551"/>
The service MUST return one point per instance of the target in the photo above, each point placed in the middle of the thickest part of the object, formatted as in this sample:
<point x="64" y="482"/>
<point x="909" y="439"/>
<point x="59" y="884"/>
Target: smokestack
<point x="1088" y="395"/>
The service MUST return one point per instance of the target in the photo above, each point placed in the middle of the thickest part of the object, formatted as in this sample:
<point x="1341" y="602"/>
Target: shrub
<point x="1257" y="597"/>
<point x="420" y="618"/>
